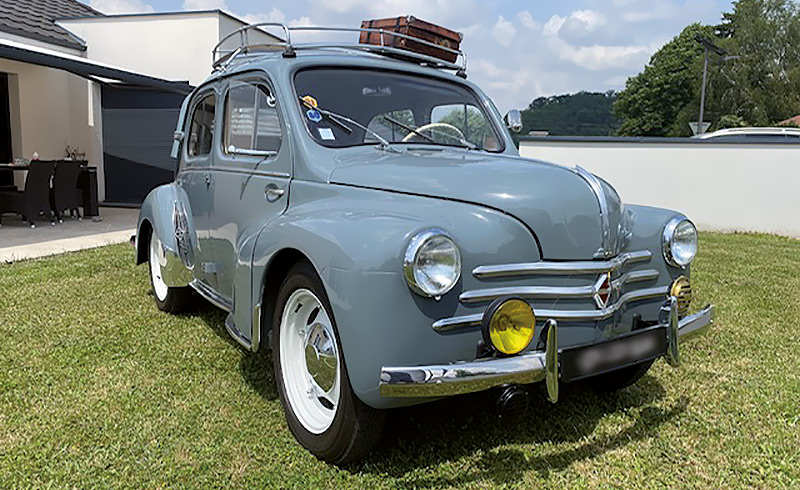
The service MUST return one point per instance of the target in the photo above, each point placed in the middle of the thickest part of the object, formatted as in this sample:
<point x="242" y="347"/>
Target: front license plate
<point x="592" y="359"/>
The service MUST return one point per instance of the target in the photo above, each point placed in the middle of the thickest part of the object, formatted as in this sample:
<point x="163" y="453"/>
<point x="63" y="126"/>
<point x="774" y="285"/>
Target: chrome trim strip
<point x="211" y="296"/>
<point x="256" y="329"/>
<point x="552" y="268"/>
<point x="454" y="323"/>
<point x="605" y="226"/>
<point x="696" y="323"/>
<point x="546" y="292"/>
<point x="262" y="173"/>
<point x="234" y="332"/>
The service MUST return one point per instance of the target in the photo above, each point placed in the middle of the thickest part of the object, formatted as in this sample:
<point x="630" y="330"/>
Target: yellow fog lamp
<point x="508" y="325"/>
<point x="682" y="290"/>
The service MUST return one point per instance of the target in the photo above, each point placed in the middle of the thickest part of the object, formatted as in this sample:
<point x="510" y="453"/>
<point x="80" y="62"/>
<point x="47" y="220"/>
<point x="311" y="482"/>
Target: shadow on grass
<point x="431" y="434"/>
<point x="255" y="368"/>
<point x="435" y="433"/>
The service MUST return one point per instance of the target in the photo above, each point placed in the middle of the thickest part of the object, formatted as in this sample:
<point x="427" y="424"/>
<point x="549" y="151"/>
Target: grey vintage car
<point x="363" y="212"/>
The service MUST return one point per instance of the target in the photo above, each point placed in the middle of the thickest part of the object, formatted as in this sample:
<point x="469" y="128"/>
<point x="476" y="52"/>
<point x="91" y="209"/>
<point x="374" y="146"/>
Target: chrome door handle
<point x="273" y="192"/>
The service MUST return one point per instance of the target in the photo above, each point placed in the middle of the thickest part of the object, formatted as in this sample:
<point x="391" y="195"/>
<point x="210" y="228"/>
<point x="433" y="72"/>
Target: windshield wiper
<point x="340" y="121"/>
<point x="409" y="129"/>
<point x="467" y="144"/>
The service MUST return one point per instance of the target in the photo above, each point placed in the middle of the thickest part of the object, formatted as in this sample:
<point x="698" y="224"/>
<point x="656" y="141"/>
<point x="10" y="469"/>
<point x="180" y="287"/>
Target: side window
<point x="390" y="125"/>
<point x="251" y="119"/>
<point x="201" y="133"/>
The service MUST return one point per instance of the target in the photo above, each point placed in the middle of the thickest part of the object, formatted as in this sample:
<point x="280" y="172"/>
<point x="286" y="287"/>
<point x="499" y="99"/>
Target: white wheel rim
<point x="309" y="360"/>
<point x="159" y="286"/>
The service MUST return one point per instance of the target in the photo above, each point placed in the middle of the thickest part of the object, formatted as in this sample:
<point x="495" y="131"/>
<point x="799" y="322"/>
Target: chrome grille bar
<point x="562" y="268"/>
<point x="455" y="323"/>
<point x="546" y="292"/>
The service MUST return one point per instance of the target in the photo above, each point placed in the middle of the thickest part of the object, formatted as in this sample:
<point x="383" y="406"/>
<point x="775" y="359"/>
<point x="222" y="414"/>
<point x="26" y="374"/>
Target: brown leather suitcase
<point x="411" y="26"/>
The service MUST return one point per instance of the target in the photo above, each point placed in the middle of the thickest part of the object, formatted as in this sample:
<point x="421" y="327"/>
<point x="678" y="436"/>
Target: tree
<point x="652" y="100"/>
<point x="580" y="114"/>
<point x="760" y="86"/>
<point x="763" y="85"/>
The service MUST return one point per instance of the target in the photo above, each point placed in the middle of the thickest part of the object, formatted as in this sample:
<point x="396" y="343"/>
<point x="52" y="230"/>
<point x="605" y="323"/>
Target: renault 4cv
<point x="362" y="211"/>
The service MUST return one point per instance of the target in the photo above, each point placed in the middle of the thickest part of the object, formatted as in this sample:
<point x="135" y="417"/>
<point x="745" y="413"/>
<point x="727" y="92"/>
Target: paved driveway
<point x="19" y="241"/>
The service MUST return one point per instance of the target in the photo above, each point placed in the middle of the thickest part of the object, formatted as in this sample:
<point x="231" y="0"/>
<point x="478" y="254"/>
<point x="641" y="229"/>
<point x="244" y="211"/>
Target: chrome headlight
<point x="679" y="242"/>
<point x="432" y="264"/>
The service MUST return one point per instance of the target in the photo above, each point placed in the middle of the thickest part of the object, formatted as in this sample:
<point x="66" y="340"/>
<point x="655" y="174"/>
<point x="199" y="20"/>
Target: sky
<point x="516" y="50"/>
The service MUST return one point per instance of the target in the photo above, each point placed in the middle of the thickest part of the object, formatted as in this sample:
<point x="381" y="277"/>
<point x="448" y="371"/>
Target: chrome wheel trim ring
<point x="309" y="360"/>
<point x="160" y="288"/>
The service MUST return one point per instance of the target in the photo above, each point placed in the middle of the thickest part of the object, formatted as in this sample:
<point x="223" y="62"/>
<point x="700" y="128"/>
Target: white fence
<point x="719" y="186"/>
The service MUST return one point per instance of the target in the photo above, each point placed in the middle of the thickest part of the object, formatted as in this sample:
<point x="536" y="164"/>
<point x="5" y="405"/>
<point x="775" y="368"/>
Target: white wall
<point x="728" y="187"/>
<point x="170" y="46"/>
<point x="50" y="110"/>
<point x="173" y="47"/>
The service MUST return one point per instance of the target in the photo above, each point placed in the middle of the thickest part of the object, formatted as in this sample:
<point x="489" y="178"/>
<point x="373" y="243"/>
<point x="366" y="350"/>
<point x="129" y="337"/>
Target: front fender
<point x="164" y="213"/>
<point x="356" y="239"/>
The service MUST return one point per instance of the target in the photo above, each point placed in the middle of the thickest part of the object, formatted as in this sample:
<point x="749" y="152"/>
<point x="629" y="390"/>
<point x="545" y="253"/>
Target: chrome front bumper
<point x="469" y="377"/>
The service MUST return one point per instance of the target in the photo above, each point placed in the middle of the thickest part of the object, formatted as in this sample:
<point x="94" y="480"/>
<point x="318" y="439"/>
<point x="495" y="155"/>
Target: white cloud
<point x="204" y="5"/>
<point x="274" y="15"/>
<point x="526" y="19"/>
<point x="121" y="6"/>
<point x="596" y="58"/>
<point x="503" y="31"/>
<point x="553" y="25"/>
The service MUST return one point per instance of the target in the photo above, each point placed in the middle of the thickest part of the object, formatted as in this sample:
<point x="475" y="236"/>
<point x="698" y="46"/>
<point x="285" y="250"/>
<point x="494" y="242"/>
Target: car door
<point x="194" y="177"/>
<point x="250" y="176"/>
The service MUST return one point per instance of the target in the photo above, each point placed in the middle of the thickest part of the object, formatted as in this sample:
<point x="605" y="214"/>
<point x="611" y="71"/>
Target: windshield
<point x="399" y="108"/>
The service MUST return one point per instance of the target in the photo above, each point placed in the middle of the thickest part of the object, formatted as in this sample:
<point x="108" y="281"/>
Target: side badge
<point x="314" y="115"/>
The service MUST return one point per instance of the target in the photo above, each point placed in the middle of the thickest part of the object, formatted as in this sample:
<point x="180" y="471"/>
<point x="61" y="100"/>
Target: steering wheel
<point x="434" y="126"/>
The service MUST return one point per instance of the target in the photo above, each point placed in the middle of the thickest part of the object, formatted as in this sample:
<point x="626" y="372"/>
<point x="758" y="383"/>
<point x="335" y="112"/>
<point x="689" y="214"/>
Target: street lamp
<point x="708" y="45"/>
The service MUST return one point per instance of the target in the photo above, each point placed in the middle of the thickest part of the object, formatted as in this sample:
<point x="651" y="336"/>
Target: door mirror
<point x="514" y="120"/>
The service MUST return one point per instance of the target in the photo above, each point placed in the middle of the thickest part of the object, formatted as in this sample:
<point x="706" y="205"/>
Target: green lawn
<point x="98" y="389"/>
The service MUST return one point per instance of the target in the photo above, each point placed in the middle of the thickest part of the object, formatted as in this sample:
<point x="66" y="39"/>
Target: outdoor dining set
<point x="51" y="188"/>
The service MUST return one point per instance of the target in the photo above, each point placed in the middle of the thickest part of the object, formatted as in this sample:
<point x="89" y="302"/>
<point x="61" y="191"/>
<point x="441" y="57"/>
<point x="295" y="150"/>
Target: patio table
<point x="87" y="185"/>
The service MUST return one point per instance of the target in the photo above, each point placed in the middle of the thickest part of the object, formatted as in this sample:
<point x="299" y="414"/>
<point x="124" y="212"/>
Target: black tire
<point x="620" y="378"/>
<point x="356" y="427"/>
<point x="176" y="299"/>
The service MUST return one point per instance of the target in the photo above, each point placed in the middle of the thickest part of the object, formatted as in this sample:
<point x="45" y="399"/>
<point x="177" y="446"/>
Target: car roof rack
<point x="225" y="57"/>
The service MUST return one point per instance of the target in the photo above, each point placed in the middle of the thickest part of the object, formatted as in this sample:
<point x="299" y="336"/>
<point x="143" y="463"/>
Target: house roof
<point x="792" y="121"/>
<point x="34" y="19"/>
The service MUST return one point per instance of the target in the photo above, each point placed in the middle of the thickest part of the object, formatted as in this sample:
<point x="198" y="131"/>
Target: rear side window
<point x="201" y="134"/>
<point x="251" y="119"/>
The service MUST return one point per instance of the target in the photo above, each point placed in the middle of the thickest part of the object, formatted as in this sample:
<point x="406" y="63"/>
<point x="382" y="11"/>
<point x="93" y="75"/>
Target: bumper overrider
<point x="548" y="365"/>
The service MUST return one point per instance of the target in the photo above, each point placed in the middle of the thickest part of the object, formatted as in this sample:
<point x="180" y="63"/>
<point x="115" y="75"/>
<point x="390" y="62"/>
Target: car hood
<point x="556" y="203"/>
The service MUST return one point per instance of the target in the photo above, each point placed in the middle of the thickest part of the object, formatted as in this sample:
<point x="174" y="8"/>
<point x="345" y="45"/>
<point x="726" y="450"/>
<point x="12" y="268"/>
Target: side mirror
<point x="514" y="120"/>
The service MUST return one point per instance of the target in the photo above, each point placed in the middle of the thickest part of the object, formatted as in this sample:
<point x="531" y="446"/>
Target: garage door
<point x="138" y="124"/>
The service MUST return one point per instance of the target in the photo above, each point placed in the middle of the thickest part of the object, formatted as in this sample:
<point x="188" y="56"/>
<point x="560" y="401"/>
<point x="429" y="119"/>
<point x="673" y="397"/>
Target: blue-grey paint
<point x="352" y="212"/>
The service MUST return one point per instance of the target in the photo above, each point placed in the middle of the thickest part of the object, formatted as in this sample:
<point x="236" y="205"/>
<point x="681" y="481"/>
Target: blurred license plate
<point x="588" y="360"/>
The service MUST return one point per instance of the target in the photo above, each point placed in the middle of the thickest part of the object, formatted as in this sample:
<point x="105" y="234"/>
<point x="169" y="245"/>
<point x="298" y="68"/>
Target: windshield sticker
<point x="314" y="115"/>
<point x="376" y="91"/>
<point x="311" y="101"/>
<point x="326" y="134"/>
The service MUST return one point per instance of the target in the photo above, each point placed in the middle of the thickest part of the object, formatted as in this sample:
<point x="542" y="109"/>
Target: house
<point x="107" y="86"/>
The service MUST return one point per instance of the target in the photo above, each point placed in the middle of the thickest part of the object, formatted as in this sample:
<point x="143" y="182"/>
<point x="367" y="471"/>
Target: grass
<point x="98" y="389"/>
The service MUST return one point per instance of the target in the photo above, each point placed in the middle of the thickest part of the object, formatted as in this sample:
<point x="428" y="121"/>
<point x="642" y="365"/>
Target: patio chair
<point x="35" y="199"/>
<point x="64" y="194"/>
